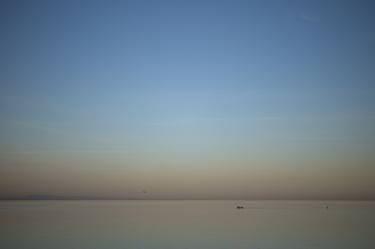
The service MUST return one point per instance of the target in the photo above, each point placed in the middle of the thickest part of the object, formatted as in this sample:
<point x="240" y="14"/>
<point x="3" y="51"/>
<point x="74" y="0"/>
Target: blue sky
<point x="181" y="85"/>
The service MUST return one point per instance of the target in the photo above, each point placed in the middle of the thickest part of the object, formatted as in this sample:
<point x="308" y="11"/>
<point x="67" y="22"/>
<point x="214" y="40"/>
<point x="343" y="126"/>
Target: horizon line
<point x="182" y="199"/>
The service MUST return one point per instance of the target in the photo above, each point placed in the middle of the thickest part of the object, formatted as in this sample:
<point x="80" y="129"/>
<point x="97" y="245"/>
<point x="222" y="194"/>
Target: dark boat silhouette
<point x="239" y="207"/>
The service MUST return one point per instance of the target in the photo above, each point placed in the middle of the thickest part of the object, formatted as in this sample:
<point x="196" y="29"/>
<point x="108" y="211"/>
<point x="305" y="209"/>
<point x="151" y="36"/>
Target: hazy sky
<point x="188" y="99"/>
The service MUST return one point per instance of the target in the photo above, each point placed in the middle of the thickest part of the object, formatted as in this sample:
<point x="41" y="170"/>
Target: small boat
<point x="239" y="207"/>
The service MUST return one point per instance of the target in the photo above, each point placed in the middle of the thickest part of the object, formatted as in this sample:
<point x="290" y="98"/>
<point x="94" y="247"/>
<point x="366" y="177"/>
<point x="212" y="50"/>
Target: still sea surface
<point x="187" y="224"/>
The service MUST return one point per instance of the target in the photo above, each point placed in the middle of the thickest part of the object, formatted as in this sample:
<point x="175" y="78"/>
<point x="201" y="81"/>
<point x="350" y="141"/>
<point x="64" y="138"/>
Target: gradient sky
<point x="188" y="99"/>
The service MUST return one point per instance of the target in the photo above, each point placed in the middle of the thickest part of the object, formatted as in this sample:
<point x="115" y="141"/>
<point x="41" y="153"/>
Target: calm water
<point x="186" y="224"/>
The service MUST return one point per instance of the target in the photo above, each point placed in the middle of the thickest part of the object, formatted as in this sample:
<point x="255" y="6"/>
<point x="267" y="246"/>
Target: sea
<point x="200" y="224"/>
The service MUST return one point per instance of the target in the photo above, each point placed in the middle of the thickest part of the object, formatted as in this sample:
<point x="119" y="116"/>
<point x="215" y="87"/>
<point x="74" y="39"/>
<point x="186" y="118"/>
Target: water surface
<point x="187" y="224"/>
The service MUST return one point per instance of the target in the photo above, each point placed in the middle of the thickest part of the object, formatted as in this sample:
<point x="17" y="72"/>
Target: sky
<point x="188" y="99"/>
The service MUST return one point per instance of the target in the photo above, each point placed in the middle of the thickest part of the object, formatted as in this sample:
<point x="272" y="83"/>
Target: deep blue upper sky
<point x="176" y="80"/>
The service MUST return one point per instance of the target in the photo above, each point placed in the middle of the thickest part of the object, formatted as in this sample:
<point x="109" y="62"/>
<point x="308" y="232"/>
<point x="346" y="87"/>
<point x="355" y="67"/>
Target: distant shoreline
<point x="164" y="199"/>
